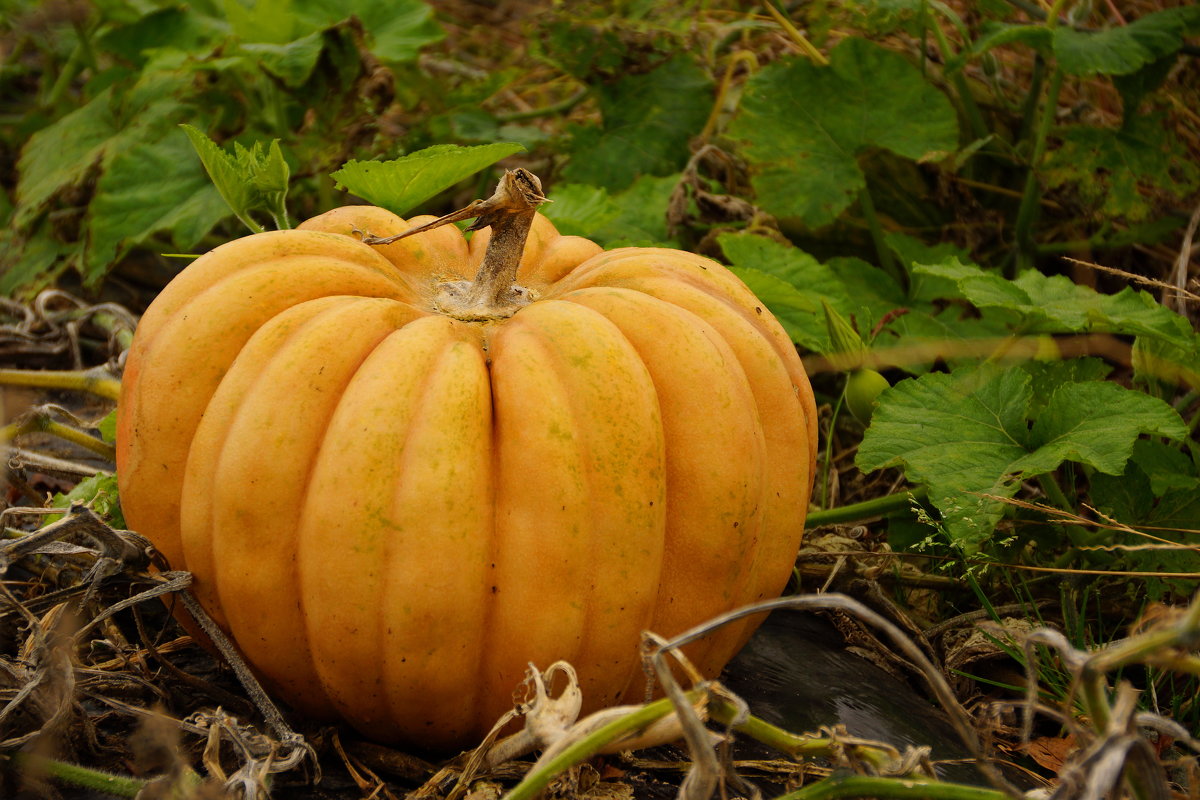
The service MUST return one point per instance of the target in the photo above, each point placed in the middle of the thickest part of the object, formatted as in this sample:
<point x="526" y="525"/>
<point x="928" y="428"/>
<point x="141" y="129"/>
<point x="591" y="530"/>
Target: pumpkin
<point x="396" y="487"/>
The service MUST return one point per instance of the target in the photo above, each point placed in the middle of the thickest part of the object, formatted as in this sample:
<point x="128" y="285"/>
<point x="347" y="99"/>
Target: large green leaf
<point x="852" y="287"/>
<point x="402" y="184"/>
<point x="396" y="29"/>
<point x="291" y="62"/>
<point x="1160" y="493"/>
<point x="150" y="188"/>
<point x="959" y="434"/>
<point x="1095" y="423"/>
<point x="636" y="217"/>
<point x="648" y="120"/>
<point x="1124" y="49"/>
<point x="798" y="312"/>
<point x="61" y="154"/>
<point x="804" y="126"/>
<point x="1054" y="304"/>
<point x="1176" y="362"/>
<point x="1122" y="171"/>
<point x="967" y="436"/>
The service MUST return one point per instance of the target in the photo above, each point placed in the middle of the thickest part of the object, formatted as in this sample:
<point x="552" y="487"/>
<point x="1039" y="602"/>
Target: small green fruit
<point x="862" y="392"/>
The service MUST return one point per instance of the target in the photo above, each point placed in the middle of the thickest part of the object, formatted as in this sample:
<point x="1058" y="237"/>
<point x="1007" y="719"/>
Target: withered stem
<point x="509" y="212"/>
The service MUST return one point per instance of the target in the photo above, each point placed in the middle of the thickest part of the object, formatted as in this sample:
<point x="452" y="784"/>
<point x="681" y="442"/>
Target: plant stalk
<point x="493" y="294"/>
<point x="868" y="509"/>
<point x="41" y="423"/>
<point x="95" y="780"/>
<point x="93" y="381"/>
<point x="910" y="787"/>
<point x="886" y="260"/>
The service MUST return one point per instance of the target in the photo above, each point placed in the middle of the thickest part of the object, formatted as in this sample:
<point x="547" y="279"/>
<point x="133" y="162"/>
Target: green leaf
<point x="30" y="261"/>
<point x="402" y="184"/>
<point x="272" y="21"/>
<point x="99" y="493"/>
<point x="1054" y="304"/>
<point x="959" y="434"/>
<point x="648" y="120"/>
<point x="635" y="217"/>
<point x="1158" y="490"/>
<point x="798" y="312"/>
<point x="396" y="30"/>
<point x="853" y="289"/>
<point x="1166" y="466"/>
<point x="108" y="427"/>
<point x="1122" y="171"/>
<point x="1124" y="49"/>
<point x="247" y="179"/>
<point x="1174" y="362"/>
<point x="1046" y="377"/>
<point x="804" y="126"/>
<point x="149" y="188"/>
<point x="292" y="62"/>
<point x="967" y="435"/>
<point x="1096" y="424"/>
<point x="1135" y="86"/>
<point x="62" y="154"/>
<point x="999" y="34"/>
<point x="178" y="28"/>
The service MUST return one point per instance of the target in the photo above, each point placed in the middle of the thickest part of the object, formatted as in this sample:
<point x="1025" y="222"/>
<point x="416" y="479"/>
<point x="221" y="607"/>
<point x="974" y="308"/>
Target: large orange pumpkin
<point x="394" y="503"/>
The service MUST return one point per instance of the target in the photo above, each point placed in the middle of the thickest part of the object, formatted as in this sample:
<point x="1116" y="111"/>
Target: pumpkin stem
<point x="509" y="213"/>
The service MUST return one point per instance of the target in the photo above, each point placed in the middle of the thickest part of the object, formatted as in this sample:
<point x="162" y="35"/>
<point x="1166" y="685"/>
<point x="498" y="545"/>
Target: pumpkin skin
<point x="392" y="511"/>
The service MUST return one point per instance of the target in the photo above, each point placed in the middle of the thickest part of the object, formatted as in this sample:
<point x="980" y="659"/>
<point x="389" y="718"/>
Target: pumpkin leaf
<point x="292" y="62"/>
<point x="636" y="217"/>
<point x="396" y="29"/>
<point x="1120" y="170"/>
<point x="1054" y="304"/>
<point x="108" y="427"/>
<point x="403" y="183"/>
<point x="148" y="188"/>
<point x="797" y="311"/>
<point x="99" y="493"/>
<point x="1124" y="49"/>
<point x="968" y="434"/>
<point x="1158" y="360"/>
<point x="248" y="179"/>
<point x="648" y="120"/>
<point x="803" y="126"/>
<point x="854" y="288"/>
<point x="1159" y="488"/>
<point x="1095" y="423"/>
<point x="61" y="154"/>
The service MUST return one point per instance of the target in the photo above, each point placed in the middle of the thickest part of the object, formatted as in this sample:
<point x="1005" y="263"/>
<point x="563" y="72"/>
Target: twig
<point x="1179" y="278"/>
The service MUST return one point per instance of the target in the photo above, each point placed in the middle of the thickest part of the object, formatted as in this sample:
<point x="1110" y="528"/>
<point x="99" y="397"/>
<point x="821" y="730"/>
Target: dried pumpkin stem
<point x="493" y="294"/>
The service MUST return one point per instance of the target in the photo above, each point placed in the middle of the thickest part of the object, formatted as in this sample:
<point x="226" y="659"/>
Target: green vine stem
<point x="95" y="381"/>
<point x="807" y="47"/>
<point x="798" y="745"/>
<point x="95" y="780"/>
<point x="911" y="787"/>
<point x="561" y="107"/>
<point x="868" y="509"/>
<point x="1027" y="212"/>
<point x="887" y="261"/>
<point x="40" y="422"/>
<point x="534" y="782"/>
<point x="721" y="710"/>
<point x="979" y="128"/>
